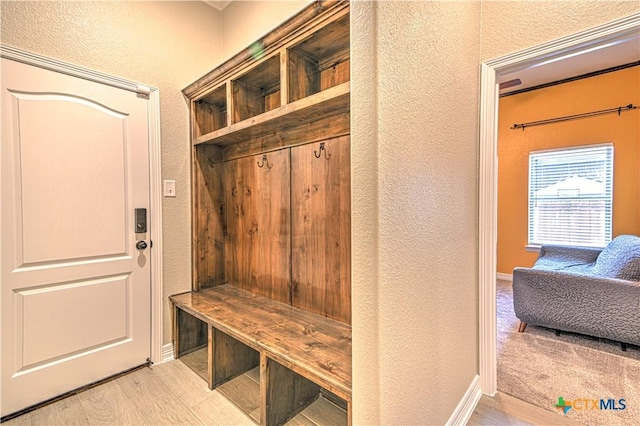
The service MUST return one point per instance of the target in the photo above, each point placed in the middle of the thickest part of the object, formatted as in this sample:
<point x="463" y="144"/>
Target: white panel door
<point x="75" y="289"/>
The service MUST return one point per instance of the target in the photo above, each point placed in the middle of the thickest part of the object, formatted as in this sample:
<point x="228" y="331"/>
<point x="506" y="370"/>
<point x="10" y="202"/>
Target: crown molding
<point x="220" y="5"/>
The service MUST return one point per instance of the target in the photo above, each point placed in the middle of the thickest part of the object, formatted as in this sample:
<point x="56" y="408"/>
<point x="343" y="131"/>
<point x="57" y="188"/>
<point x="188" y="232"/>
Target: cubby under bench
<point x="300" y="354"/>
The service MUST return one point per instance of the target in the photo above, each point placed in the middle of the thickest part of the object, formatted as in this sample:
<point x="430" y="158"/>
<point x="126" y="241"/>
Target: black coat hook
<point x="265" y="161"/>
<point x="319" y="153"/>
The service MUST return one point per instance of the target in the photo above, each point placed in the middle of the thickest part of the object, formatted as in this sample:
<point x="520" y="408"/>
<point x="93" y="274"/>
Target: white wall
<point x="511" y="26"/>
<point x="414" y="184"/>
<point x="415" y="203"/>
<point x="365" y="214"/>
<point x="244" y="22"/>
<point x="162" y="44"/>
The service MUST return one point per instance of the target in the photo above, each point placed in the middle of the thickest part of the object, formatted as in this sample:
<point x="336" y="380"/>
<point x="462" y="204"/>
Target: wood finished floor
<point x="504" y="409"/>
<point x="172" y="394"/>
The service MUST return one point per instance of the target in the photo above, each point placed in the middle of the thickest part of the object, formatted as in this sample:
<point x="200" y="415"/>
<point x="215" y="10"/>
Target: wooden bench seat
<point x="298" y="352"/>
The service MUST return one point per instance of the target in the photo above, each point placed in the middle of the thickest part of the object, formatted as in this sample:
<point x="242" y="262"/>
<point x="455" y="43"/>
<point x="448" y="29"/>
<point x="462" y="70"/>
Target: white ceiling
<point x="620" y="51"/>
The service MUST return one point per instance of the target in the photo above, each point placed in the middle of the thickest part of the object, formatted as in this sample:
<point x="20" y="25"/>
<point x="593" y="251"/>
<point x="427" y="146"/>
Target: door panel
<point x="321" y="228"/>
<point x="58" y="190"/>
<point x="98" y="305"/>
<point x="75" y="291"/>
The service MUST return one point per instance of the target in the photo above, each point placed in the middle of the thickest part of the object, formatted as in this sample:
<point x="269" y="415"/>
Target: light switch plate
<point x="169" y="188"/>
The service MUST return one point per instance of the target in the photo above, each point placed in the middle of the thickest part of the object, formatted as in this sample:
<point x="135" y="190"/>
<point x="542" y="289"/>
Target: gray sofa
<point x="583" y="290"/>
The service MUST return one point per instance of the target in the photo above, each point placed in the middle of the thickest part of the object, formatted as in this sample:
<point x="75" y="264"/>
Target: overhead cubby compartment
<point x="319" y="62"/>
<point x="257" y="91"/>
<point x="210" y="111"/>
<point x="299" y="92"/>
<point x="278" y="122"/>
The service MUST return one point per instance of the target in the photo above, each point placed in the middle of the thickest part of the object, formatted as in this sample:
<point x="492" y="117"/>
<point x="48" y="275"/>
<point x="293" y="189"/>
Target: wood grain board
<point x="321" y="228"/>
<point x="247" y="101"/>
<point x="335" y="75"/>
<point x="303" y="133"/>
<point x="258" y="243"/>
<point x="331" y="41"/>
<point x="313" y="346"/>
<point x="304" y="76"/>
<point x="326" y="103"/>
<point x="283" y="393"/>
<point x="257" y="91"/>
<point x="265" y="74"/>
<point x="229" y="357"/>
<point x="208" y="217"/>
<point x="210" y="112"/>
<point x="192" y="333"/>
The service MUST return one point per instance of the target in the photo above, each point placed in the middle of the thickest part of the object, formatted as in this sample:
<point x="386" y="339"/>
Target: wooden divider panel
<point x="192" y="333"/>
<point x="258" y="243"/>
<point x="321" y="228"/>
<point x="208" y="217"/>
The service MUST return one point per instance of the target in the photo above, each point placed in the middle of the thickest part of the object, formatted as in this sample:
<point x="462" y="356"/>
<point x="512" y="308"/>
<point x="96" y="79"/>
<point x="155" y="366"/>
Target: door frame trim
<point x="155" y="167"/>
<point x="597" y="37"/>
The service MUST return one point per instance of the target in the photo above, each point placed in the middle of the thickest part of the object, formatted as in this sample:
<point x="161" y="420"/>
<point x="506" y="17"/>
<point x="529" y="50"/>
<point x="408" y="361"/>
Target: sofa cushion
<point x="620" y="259"/>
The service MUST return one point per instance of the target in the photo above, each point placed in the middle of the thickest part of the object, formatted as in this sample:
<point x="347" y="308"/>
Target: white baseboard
<point x="505" y="277"/>
<point x="167" y="353"/>
<point x="467" y="404"/>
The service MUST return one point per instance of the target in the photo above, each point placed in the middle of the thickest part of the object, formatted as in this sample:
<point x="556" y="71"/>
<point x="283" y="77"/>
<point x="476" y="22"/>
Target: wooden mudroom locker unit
<point x="271" y="218"/>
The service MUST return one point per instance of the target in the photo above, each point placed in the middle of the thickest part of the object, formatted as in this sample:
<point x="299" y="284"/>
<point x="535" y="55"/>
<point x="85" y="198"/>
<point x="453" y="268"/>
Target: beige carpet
<point x="538" y="367"/>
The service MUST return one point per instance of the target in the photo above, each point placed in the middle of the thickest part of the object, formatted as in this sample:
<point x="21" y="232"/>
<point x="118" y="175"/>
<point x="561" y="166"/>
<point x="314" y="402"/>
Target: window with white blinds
<point x="570" y="196"/>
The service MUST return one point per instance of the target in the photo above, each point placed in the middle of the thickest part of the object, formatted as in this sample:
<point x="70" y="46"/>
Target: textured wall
<point x="421" y="195"/>
<point x="414" y="211"/>
<point x="244" y="22"/>
<point x="591" y="94"/>
<point x="509" y="26"/>
<point x="163" y="44"/>
<point x="364" y="214"/>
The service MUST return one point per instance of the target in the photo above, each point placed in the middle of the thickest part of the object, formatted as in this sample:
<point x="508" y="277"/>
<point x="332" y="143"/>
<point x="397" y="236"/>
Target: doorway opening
<point x="565" y="51"/>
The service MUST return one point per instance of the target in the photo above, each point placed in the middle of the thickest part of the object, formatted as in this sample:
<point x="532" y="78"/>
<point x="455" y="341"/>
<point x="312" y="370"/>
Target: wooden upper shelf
<point x="300" y="76"/>
<point x="329" y="102"/>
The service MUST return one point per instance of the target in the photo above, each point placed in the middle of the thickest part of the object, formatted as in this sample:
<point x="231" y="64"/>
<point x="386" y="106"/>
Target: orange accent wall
<point x="605" y="91"/>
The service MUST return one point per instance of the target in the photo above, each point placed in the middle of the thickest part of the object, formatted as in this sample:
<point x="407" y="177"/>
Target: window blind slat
<point x="570" y="196"/>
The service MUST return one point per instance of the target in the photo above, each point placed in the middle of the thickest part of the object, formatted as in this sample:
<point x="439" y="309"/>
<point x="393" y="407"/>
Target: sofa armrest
<point x="560" y="257"/>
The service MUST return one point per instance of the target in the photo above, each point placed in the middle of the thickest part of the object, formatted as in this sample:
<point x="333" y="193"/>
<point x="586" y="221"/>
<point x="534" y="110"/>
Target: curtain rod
<point x="619" y="110"/>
